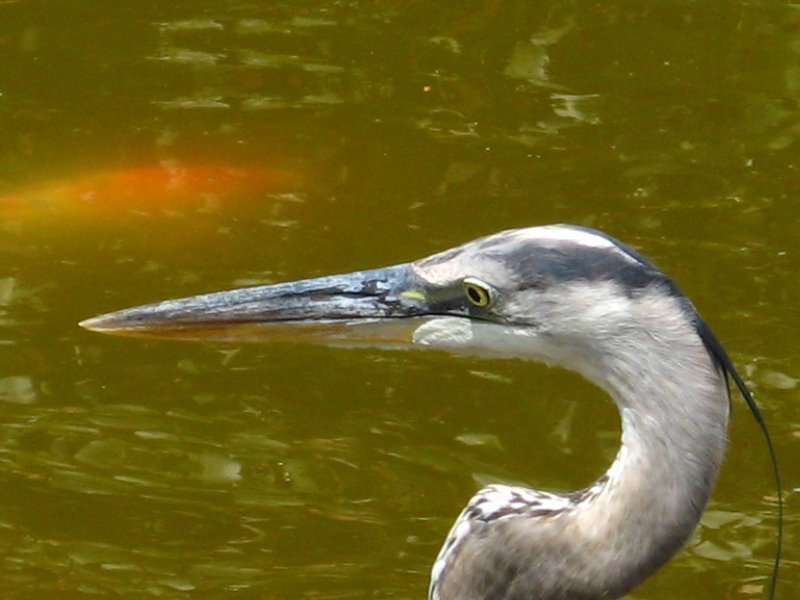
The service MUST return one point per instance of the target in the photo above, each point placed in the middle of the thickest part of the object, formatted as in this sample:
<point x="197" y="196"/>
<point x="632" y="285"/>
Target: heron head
<point x="557" y="293"/>
<point x="524" y="292"/>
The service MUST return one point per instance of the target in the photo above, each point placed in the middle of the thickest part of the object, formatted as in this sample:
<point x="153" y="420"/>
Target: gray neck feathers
<point x="673" y="402"/>
<point x="674" y="406"/>
<point x="644" y="349"/>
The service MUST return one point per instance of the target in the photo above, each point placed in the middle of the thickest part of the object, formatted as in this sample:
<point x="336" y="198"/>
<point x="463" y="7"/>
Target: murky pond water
<point x="161" y="149"/>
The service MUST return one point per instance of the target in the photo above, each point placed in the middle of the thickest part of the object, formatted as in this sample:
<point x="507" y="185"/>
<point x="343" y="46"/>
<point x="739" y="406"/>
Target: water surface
<point x="283" y="471"/>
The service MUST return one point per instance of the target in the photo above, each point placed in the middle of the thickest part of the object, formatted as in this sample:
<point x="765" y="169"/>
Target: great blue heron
<point x="564" y="295"/>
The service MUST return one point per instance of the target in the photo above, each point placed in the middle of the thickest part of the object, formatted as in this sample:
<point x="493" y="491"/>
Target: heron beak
<point x="323" y="306"/>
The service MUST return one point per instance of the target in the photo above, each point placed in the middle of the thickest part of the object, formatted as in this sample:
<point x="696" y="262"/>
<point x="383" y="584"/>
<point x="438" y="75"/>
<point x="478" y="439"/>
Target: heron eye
<point x="478" y="293"/>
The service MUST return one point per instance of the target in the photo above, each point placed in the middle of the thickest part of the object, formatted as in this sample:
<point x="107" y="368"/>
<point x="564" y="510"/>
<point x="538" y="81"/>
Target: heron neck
<point x="674" y="421"/>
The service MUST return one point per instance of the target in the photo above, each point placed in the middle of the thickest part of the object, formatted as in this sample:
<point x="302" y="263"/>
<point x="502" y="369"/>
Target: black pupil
<point x="475" y="295"/>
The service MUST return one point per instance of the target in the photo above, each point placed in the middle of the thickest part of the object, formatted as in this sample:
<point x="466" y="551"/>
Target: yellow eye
<point x="478" y="293"/>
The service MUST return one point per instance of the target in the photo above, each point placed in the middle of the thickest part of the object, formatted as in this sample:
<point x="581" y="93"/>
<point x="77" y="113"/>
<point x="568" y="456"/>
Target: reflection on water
<point x="161" y="468"/>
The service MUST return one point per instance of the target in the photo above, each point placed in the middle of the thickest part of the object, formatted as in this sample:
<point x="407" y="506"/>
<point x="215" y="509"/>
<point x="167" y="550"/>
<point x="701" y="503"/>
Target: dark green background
<point x="165" y="469"/>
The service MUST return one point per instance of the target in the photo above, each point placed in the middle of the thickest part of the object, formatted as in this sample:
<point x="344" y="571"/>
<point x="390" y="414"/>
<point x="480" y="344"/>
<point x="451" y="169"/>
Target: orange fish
<point x="148" y="190"/>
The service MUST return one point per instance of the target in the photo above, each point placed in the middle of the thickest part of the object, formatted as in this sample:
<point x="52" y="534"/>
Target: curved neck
<point x="674" y="422"/>
<point x="599" y="543"/>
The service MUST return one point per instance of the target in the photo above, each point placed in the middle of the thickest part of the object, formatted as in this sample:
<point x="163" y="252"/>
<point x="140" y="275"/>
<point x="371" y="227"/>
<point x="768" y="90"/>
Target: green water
<point x="166" y="469"/>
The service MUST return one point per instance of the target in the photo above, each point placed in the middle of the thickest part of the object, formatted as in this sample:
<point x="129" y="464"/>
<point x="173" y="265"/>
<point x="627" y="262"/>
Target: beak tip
<point x="100" y="324"/>
<point x="92" y="324"/>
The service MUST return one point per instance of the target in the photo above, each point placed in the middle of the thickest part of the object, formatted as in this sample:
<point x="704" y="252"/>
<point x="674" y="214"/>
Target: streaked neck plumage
<point x="674" y="413"/>
<point x="674" y="405"/>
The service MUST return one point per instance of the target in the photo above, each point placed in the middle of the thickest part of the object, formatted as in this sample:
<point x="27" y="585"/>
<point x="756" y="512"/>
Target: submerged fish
<point x="151" y="189"/>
